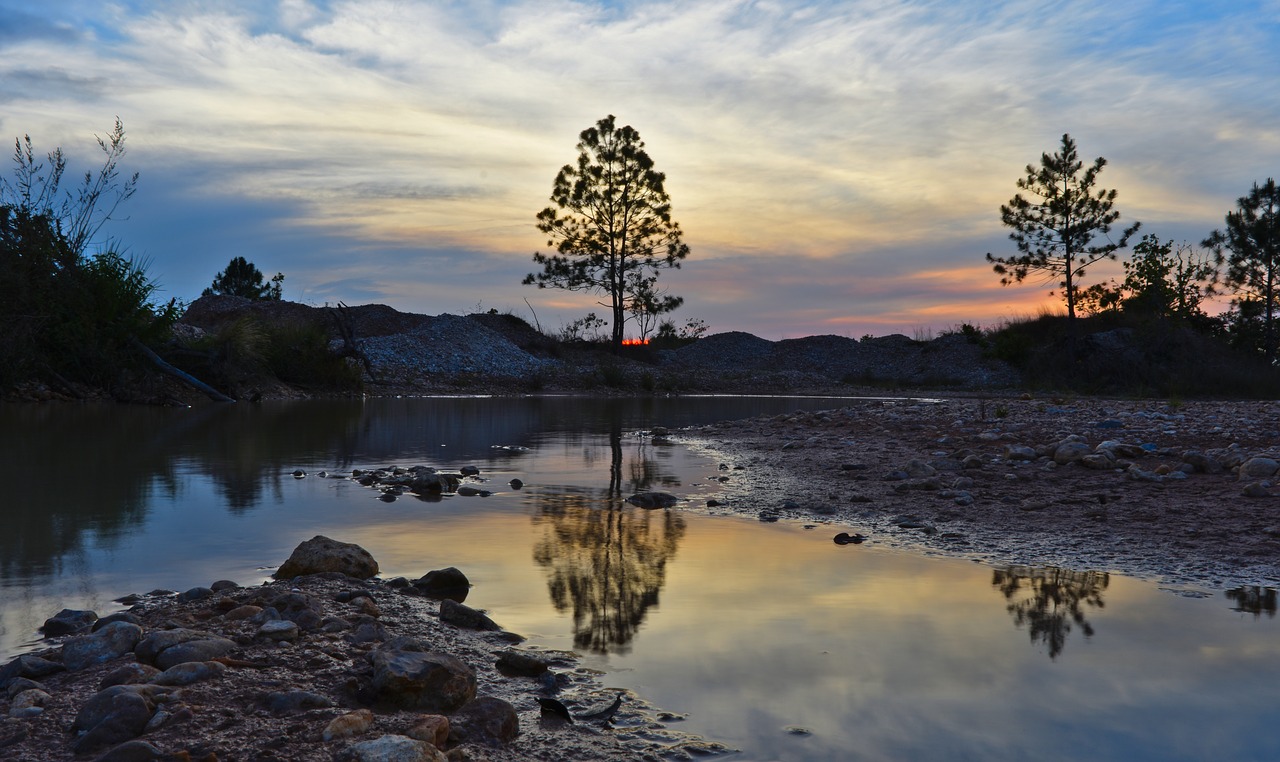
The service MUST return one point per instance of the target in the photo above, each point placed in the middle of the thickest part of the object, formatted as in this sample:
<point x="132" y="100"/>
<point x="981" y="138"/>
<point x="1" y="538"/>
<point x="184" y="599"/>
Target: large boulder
<point x="68" y="622"/>
<point x="433" y="682"/>
<point x="113" y="716"/>
<point x="116" y="639"/>
<point x="321" y="554"/>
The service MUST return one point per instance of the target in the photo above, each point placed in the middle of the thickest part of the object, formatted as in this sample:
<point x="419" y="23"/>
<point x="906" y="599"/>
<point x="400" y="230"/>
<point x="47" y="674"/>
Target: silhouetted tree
<point x="1161" y="280"/>
<point x="611" y="224"/>
<point x="1252" y="236"/>
<point x="242" y="278"/>
<point x="1055" y="229"/>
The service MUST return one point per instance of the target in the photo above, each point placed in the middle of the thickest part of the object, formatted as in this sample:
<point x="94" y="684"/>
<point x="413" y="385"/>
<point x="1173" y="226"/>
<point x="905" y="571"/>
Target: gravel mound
<point x="448" y="344"/>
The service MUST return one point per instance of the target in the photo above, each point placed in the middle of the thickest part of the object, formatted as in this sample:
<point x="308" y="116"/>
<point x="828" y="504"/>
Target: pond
<point x="768" y="638"/>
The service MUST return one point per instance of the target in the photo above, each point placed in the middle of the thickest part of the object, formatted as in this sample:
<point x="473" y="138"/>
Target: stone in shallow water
<point x="322" y="554"/>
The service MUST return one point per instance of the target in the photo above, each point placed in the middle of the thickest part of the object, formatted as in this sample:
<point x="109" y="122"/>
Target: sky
<point x="836" y="167"/>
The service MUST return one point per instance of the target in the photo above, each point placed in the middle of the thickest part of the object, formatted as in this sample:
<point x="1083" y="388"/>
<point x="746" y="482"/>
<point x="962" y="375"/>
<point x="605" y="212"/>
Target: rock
<point x="30" y="666"/>
<point x="21" y="684"/>
<point x="243" y="612"/>
<point x="918" y="469"/>
<point x="1070" y="452"/>
<point x="653" y="500"/>
<point x="469" y="470"/>
<point x="112" y="716"/>
<point x="131" y="751"/>
<point x="112" y="641"/>
<point x="299" y="608"/>
<point x="1120" y="449"/>
<point x="194" y="594"/>
<point x="972" y="462"/>
<point x="488" y="721"/>
<point x="190" y="672"/>
<point x="288" y="702"/>
<point x="1019" y="452"/>
<point x="1258" y="468"/>
<point x="1257" y="489"/>
<point x="1098" y="461"/>
<point x="352" y="724"/>
<point x="278" y="630"/>
<point x="433" y="483"/>
<point x="1202" y="462"/>
<point x="444" y="583"/>
<point x="119" y="616"/>
<point x="169" y="647"/>
<point x="128" y="674"/>
<point x="844" y="538"/>
<point x="516" y="484"/>
<point x="395" y="748"/>
<point x="223" y="585"/>
<point x="518" y="663"/>
<point x="469" y="491"/>
<point x="461" y="615"/>
<point x="435" y="682"/>
<point x="432" y="728"/>
<point x="321" y="554"/>
<point x="68" y="622"/>
<point x="29" y="698"/>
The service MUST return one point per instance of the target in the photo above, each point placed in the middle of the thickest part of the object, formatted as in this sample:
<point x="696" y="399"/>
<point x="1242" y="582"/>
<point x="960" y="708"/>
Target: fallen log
<point x="182" y="376"/>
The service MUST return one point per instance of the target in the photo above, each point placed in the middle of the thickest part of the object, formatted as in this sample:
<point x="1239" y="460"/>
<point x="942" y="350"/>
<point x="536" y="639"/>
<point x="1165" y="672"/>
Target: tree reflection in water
<point x="606" y="559"/>
<point x="1253" y="599"/>
<point x="1049" y="601"/>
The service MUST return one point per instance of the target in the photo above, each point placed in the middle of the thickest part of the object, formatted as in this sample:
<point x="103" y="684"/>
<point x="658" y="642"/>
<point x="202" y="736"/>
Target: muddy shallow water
<point x="765" y="636"/>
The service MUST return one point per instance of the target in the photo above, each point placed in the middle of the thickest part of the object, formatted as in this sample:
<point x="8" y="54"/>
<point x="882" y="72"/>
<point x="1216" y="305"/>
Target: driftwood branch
<point x="182" y="376"/>
<point x="346" y="329"/>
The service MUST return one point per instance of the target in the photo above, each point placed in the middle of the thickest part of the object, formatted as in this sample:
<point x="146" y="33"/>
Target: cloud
<point x="812" y="150"/>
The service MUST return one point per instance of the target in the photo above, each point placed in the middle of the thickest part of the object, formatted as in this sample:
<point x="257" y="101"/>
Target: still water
<point x="768" y="637"/>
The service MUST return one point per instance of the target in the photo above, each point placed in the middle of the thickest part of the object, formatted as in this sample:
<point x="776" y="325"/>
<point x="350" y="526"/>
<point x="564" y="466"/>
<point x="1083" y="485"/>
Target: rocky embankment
<point x="494" y="352"/>
<point x="1182" y="494"/>
<point x="327" y="662"/>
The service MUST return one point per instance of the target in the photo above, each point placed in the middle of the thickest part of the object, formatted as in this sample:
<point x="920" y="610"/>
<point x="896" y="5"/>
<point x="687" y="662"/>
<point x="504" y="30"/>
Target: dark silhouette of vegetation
<point x="1130" y="354"/>
<point x="1055" y="230"/>
<point x="69" y="316"/>
<point x="1161" y="281"/>
<point x="1252" y="238"/>
<point x="611" y="227"/>
<point x="243" y="278"/>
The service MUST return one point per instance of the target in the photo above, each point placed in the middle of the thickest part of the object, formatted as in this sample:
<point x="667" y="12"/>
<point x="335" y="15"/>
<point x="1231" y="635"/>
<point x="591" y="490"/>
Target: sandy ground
<point x="1148" y="514"/>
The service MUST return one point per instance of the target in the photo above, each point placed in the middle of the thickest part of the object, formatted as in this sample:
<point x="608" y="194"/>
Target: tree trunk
<point x="182" y="376"/>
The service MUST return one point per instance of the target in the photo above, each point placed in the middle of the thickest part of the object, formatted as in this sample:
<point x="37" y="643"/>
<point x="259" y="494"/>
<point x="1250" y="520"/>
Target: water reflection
<point x="1049" y="601"/>
<point x="606" y="560"/>
<point x="1253" y="599"/>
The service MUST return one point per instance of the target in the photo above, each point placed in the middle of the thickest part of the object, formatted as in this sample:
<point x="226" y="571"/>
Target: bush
<point x="70" y="316"/>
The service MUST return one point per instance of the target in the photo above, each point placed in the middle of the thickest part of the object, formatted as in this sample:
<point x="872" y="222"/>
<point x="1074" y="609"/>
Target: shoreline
<point x="297" y="683"/>
<point x="990" y="480"/>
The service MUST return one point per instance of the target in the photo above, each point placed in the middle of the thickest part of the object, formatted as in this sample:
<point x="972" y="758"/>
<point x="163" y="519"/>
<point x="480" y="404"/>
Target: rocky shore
<point x="327" y="662"/>
<point x="1184" y="494"/>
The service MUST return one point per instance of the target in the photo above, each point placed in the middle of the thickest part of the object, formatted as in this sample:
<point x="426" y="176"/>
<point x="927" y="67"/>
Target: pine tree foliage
<point x="1252" y="238"/>
<point x="243" y="278"/>
<point x="1056" y="225"/>
<point x="610" y="225"/>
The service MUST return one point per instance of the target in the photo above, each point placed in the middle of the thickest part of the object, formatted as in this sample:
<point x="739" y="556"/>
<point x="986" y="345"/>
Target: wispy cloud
<point x="398" y="151"/>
